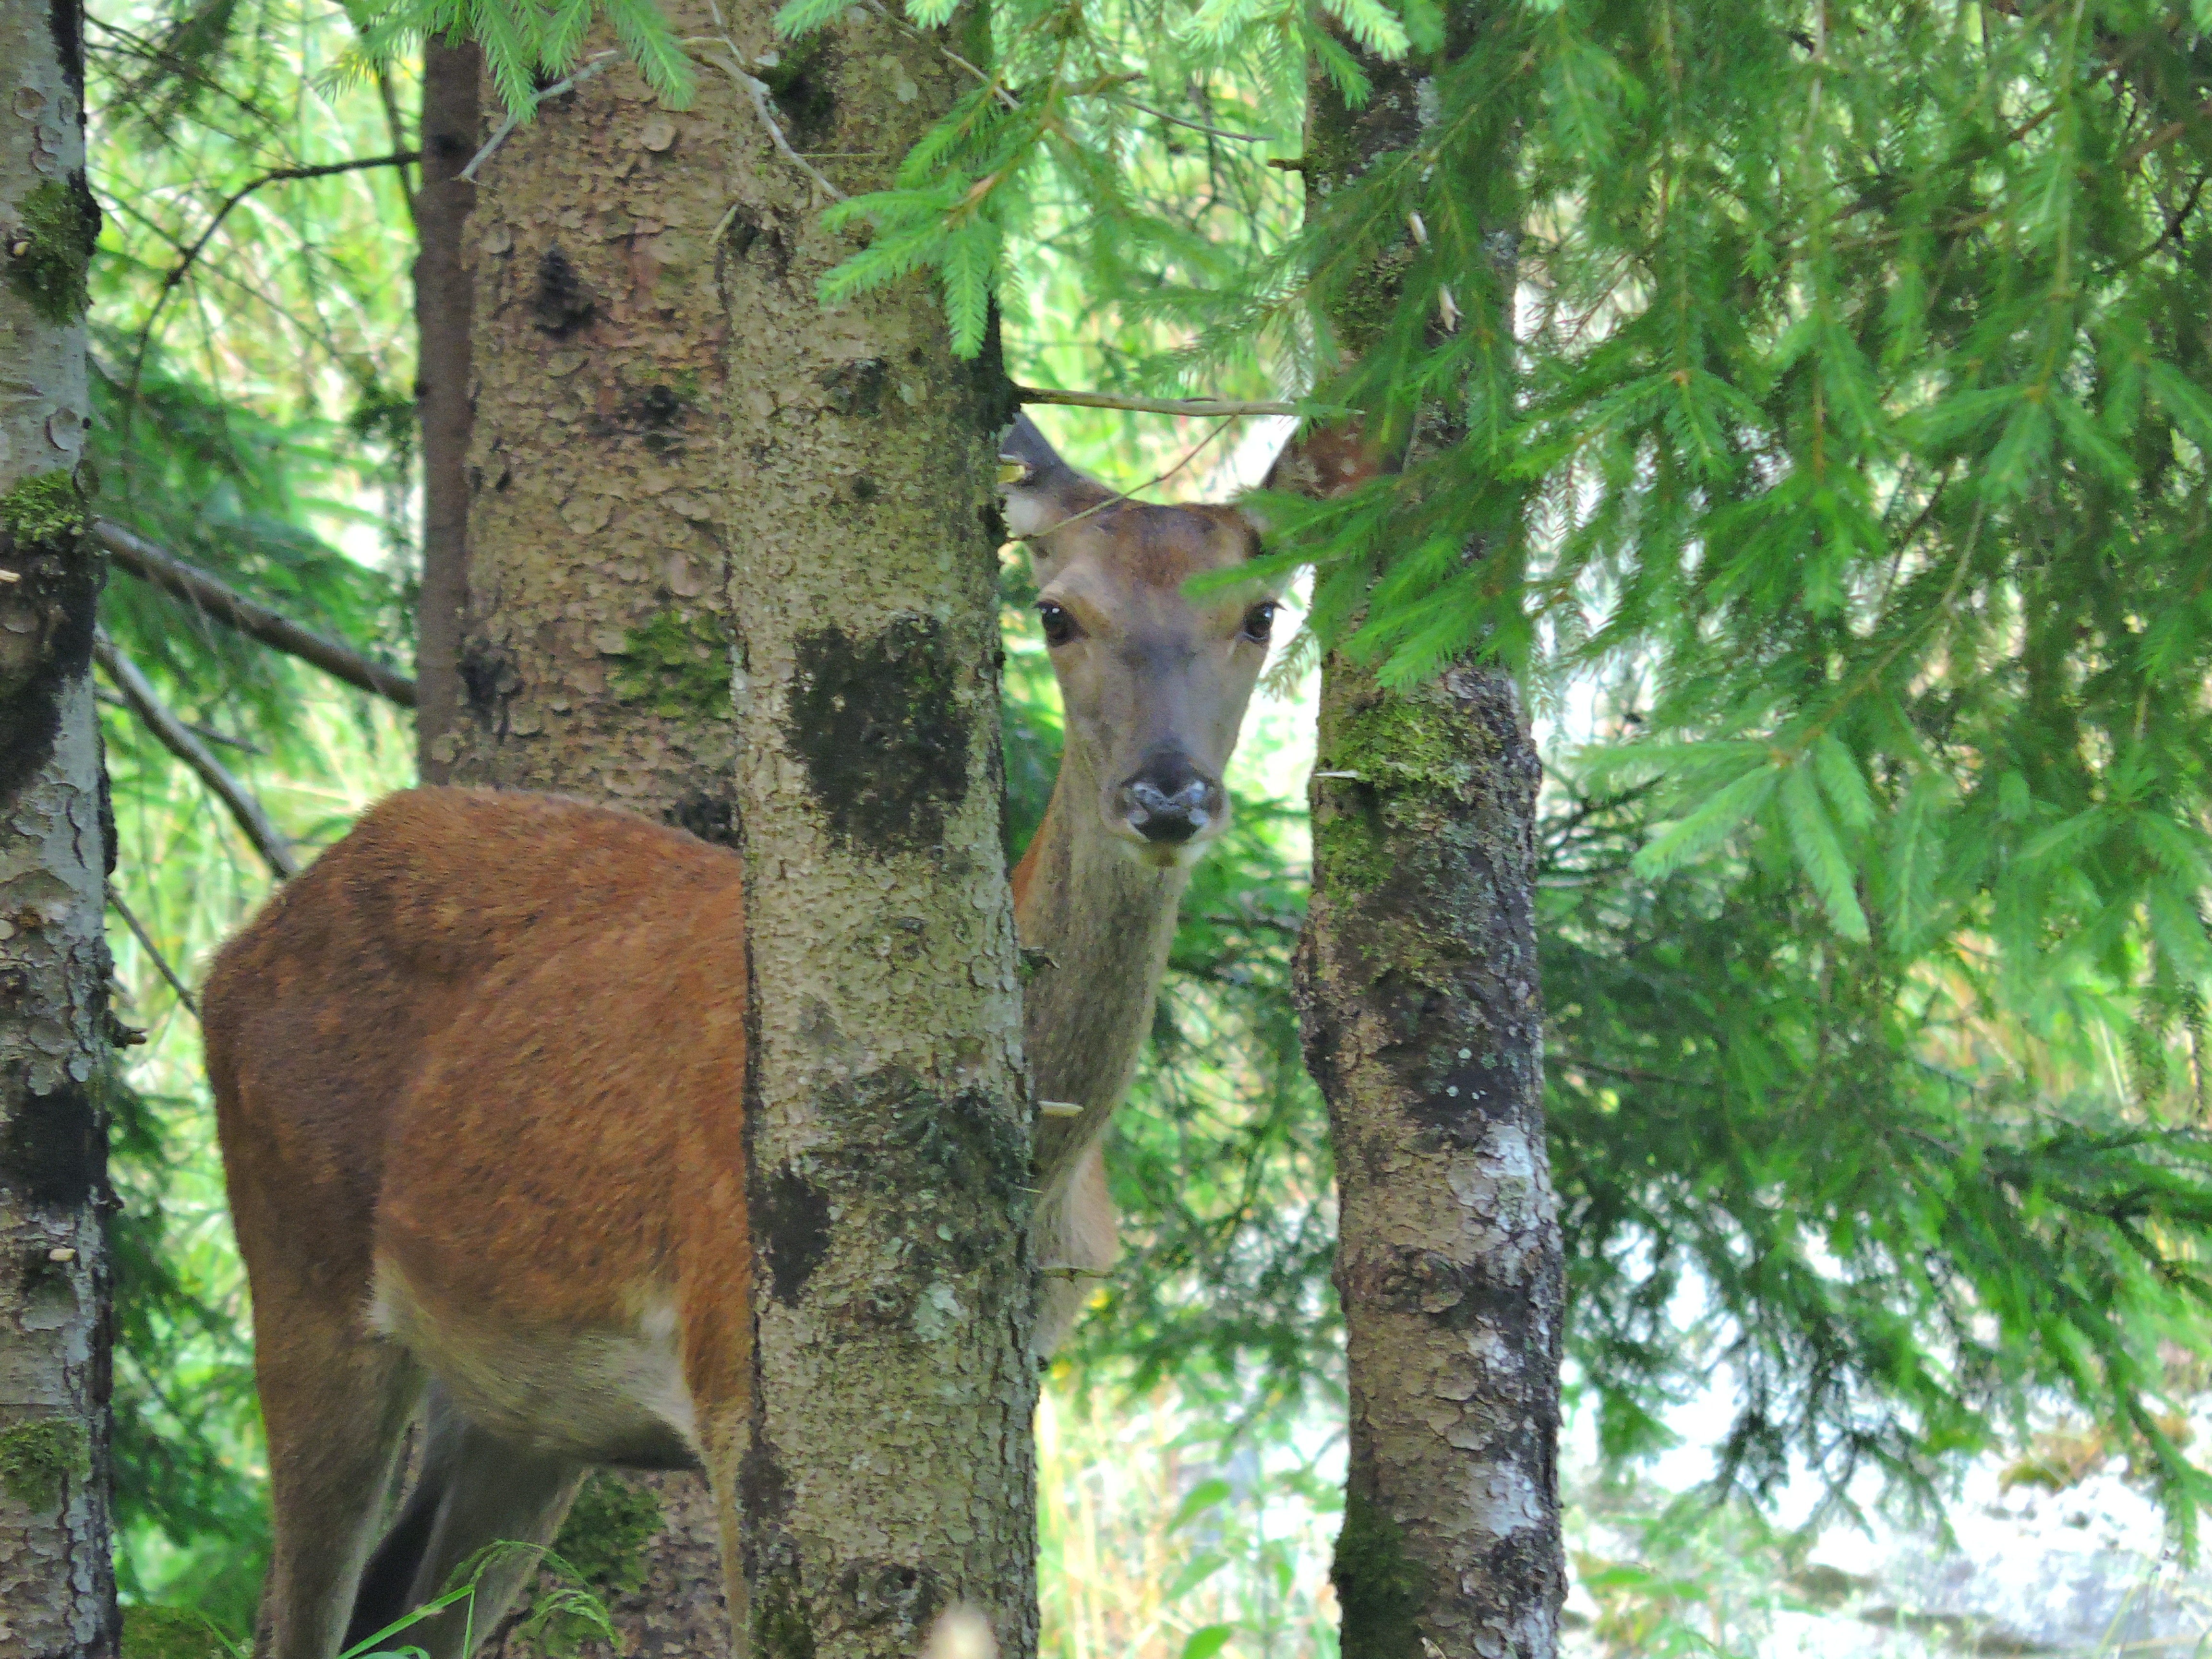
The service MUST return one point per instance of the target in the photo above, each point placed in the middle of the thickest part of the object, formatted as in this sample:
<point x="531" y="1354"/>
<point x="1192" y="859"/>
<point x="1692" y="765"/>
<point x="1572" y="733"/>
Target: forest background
<point x="1842" y="504"/>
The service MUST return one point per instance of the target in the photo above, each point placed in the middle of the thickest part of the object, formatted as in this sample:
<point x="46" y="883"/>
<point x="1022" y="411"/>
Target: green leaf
<point x="1916" y="855"/>
<point x="1200" y="1568"/>
<point x="2186" y="401"/>
<point x="800" y="17"/>
<point x="1846" y="784"/>
<point x="1821" y="855"/>
<point x="1204" y="1644"/>
<point x="2021" y="453"/>
<point x="1201" y="1498"/>
<point x="1706" y="827"/>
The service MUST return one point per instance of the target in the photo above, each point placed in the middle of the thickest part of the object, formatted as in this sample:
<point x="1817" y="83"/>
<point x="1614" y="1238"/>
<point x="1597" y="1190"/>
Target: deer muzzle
<point x="1169" y="801"/>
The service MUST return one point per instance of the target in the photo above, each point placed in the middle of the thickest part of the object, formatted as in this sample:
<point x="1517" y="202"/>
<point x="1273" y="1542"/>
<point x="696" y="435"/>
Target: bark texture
<point x="57" y="1580"/>
<point x="891" y="1465"/>
<point x="451" y="132"/>
<point x="594" y="654"/>
<point x="1418" y="993"/>
<point x="1419" y="997"/>
<point x="591" y="574"/>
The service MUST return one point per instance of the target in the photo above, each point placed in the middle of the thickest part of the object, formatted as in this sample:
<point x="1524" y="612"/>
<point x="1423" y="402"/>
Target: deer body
<point x="479" y="1077"/>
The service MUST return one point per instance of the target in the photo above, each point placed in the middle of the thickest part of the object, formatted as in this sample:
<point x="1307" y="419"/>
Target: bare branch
<point x="593" y="65"/>
<point x="1221" y="406"/>
<point x="176" y="273"/>
<point x="1200" y="126"/>
<point x="951" y="56"/>
<point x="116" y="700"/>
<point x="148" y="562"/>
<point x="731" y="62"/>
<point x="146" y="942"/>
<point x="178" y="738"/>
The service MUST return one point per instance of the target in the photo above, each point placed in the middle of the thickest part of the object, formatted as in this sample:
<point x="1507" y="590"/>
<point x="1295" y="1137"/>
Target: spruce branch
<point x="165" y="570"/>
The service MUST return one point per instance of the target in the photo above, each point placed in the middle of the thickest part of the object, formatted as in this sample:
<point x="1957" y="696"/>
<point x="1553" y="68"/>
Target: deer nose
<point x="1169" y="800"/>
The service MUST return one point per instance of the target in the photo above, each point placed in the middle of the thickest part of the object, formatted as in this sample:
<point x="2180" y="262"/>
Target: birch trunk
<point x="57" y="1578"/>
<point x="585" y="580"/>
<point x="1419" y="996"/>
<point x="891" y="1468"/>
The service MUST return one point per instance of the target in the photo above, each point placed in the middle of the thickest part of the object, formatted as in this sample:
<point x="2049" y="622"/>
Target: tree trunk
<point x="588" y="572"/>
<point x="891" y="1470"/>
<point x="594" y="654"/>
<point x="1417" y="992"/>
<point x="56" y="1574"/>
<point x="451" y="131"/>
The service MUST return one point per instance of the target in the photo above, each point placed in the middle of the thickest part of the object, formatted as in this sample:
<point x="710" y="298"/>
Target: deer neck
<point x="1096" y="926"/>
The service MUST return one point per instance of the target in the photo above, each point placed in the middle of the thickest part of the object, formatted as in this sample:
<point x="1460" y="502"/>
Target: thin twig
<point x="1221" y="406"/>
<point x="162" y="963"/>
<point x="757" y="90"/>
<point x="177" y="738"/>
<point x="730" y="61"/>
<point x="949" y="55"/>
<point x="157" y="565"/>
<point x="397" y="128"/>
<point x="593" y="65"/>
<point x="1119" y="496"/>
<point x="116" y="700"/>
<point x="1200" y="126"/>
<point x="176" y="274"/>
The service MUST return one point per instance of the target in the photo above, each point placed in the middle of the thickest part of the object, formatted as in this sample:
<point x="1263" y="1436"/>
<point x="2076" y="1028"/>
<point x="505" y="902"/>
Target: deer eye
<point x="1259" y="620"/>
<point x="1059" y="627"/>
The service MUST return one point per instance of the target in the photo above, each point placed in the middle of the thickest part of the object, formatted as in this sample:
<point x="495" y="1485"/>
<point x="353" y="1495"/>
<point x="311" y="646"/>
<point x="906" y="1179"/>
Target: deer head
<point x="1154" y="682"/>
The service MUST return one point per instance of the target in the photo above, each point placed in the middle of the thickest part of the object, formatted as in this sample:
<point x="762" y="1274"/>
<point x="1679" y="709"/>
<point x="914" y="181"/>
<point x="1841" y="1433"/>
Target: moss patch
<point x="1413" y="768"/>
<point x="38" y="1458"/>
<point x="607" y="1530"/>
<point x="678" y="665"/>
<point x="1401" y="744"/>
<point x="1379" y="1587"/>
<point x="172" y="1633"/>
<point x="44" y="508"/>
<point x="780" y="1626"/>
<point x="50" y="250"/>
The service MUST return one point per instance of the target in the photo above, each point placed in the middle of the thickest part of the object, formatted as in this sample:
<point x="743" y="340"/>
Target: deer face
<point x="1154" y="683"/>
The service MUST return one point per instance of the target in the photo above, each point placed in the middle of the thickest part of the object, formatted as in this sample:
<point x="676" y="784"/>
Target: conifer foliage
<point x="1844" y="482"/>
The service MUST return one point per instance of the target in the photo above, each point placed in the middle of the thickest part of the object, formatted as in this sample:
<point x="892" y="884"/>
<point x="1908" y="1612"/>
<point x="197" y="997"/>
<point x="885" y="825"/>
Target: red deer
<point x="479" y="1076"/>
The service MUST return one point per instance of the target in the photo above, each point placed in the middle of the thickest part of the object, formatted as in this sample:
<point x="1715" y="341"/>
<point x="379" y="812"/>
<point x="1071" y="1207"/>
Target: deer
<point x="479" y="1072"/>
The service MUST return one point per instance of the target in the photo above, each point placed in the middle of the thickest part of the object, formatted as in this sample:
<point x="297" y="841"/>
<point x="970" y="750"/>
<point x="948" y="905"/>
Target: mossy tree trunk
<point x="587" y="570"/>
<point x="57" y="1578"/>
<point x="1418" y="993"/>
<point x="890" y="1472"/>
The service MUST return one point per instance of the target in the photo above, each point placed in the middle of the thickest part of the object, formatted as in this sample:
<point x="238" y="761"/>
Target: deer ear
<point x="1319" y="462"/>
<point x="1041" y="490"/>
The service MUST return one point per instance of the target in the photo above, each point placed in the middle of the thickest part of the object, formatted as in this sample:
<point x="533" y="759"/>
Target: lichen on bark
<point x="57" y="1573"/>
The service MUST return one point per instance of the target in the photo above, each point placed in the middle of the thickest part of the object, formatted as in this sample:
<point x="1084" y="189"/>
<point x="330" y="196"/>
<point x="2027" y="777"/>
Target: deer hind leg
<point x="477" y="1490"/>
<point x="336" y="1402"/>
